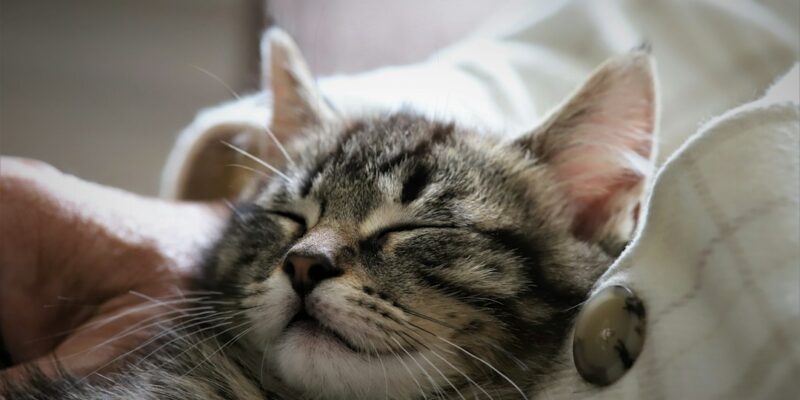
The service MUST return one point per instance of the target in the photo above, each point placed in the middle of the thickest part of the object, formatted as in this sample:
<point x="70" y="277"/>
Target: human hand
<point x="81" y="266"/>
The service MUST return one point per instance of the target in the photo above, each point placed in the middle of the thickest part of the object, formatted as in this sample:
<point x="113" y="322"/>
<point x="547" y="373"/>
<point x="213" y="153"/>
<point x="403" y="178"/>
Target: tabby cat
<point x="401" y="257"/>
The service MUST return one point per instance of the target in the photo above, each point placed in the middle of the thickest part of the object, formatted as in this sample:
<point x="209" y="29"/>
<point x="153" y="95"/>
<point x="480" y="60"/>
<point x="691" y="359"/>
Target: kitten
<point x="400" y="257"/>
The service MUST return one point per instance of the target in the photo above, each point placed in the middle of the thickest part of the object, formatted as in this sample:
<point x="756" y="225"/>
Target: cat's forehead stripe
<point x="416" y="182"/>
<point x="330" y="158"/>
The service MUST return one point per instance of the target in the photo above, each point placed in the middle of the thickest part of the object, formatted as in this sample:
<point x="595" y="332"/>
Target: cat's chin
<point x="320" y="364"/>
<point x="314" y="336"/>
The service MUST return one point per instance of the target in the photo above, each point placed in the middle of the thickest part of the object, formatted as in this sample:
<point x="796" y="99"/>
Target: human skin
<point x="80" y="263"/>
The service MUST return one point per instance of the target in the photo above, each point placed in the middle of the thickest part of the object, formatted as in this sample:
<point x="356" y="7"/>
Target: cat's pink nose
<point x="307" y="270"/>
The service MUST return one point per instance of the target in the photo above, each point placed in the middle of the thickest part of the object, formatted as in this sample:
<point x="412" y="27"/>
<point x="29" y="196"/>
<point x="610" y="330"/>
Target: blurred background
<point x="100" y="89"/>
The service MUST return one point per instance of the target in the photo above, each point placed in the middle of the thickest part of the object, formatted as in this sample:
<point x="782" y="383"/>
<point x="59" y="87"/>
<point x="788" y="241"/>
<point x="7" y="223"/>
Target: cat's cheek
<point x="270" y="308"/>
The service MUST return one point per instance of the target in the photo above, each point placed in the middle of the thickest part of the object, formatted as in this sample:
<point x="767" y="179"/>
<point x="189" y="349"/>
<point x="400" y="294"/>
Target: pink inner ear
<point x="605" y="155"/>
<point x="595" y="213"/>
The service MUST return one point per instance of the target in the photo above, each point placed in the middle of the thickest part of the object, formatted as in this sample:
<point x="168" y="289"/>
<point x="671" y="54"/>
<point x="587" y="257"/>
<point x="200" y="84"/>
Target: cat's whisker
<point x="183" y="293"/>
<point x="193" y="312"/>
<point x="152" y="299"/>
<point x="105" y="377"/>
<point x="446" y="379"/>
<point x="165" y="332"/>
<point x="136" y="328"/>
<point x="579" y="305"/>
<point x="224" y="322"/>
<point x="188" y="295"/>
<point x="428" y="318"/>
<point x="100" y="322"/>
<point x="446" y="325"/>
<point x="280" y="146"/>
<point x="233" y="209"/>
<point x="501" y="350"/>
<point x="411" y="374"/>
<point x="187" y="312"/>
<point x="481" y="360"/>
<point x="171" y="305"/>
<point x="424" y="371"/>
<point x="383" y="367"/>
<point x="220" y="348"/>
<point x="423" y="345"/>
<point x="406" y="339"/>
<point x="246" y="168"/>
<point x="257" y="160"/>
<point x="470" y="380"/>
<point x="451" y="365"/>
<point x="227" y="316"/>
<point x="218" y="79"/>
<point x="409" y="323"/>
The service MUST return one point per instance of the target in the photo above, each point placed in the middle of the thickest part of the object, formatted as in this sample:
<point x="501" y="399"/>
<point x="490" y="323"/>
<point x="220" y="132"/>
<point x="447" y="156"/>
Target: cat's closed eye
<point x="291" y="216"/>
<point x="384" y="234"/>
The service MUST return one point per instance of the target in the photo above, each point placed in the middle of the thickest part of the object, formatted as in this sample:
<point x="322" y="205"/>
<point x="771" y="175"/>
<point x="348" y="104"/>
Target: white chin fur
<point x="327" y="370"/>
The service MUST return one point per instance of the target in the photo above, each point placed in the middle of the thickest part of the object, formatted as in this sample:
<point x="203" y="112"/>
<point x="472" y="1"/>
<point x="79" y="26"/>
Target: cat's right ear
<point x="297" y="103"/>
<point x="598" y="146"/>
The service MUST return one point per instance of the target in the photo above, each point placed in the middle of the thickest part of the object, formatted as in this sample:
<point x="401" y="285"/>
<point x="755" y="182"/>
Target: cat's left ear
<point x="200" y="167"/>
<point x="298" y="104"/>
<point x="598" y="146"/>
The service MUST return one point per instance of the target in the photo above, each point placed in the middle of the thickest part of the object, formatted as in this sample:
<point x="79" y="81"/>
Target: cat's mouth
<point x="315" y="331"/>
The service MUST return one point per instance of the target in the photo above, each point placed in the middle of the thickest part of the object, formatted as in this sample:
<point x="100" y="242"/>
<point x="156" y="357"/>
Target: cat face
<point x="405" y="256"/>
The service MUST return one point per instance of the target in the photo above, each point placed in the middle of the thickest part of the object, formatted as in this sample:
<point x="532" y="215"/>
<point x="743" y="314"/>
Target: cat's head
<point x="403" y="255"/>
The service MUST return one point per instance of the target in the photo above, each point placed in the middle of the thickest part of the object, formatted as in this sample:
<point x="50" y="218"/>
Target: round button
<point x="609" y="335"/>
